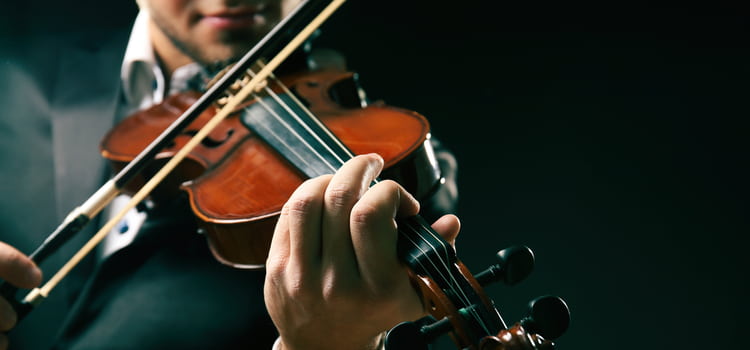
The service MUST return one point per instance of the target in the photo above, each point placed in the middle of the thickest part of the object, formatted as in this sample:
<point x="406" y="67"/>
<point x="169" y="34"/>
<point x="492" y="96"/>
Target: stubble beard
<point x="236" y="44"/>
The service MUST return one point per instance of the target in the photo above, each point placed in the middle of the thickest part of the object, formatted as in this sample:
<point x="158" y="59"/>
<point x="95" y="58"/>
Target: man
<point x="332" y="278"/>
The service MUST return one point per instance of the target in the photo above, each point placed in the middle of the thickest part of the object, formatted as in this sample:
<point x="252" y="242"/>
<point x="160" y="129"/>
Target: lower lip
<point x="231" y="22"/>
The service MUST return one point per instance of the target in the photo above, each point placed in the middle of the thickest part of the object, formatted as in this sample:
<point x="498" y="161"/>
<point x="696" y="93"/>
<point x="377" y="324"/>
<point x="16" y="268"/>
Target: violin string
<point x="451" y="279"/>
<point x="270" y="110"/>
<point x="313" y="118"/>
<point x="293" y="131"/>
<point x="452" y="282"/>
<point x="302" y="123"/>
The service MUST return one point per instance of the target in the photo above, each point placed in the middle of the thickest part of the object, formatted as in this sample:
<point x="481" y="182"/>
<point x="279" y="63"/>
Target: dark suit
<point x="165" y="291"/>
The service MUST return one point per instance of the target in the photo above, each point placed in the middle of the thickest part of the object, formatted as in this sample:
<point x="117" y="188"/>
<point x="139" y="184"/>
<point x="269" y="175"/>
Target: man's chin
<point x="213" y="55"/>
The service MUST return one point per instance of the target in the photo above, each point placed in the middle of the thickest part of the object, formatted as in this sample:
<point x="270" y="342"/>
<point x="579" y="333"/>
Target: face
<point x="213" y="31"/>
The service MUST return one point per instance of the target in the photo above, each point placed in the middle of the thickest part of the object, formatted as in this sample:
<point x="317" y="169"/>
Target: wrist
<point x="376" y="343"/>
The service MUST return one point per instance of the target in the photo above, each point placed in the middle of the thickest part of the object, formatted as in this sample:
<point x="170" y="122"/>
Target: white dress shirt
<point x="143" y="85"/>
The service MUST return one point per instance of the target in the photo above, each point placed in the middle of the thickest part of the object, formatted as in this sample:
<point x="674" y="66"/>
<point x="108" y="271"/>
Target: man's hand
<point x="333" y="278"/>
<point x="18" y="270"/>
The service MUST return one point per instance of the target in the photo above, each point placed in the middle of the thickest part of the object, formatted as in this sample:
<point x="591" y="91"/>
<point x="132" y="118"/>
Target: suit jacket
<point x="165" y="291"/>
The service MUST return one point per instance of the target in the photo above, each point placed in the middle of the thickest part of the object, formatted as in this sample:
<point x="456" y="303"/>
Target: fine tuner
<point x="547" y="317"/>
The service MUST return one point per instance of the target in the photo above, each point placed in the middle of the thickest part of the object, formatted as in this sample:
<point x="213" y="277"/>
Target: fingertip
<point x="376" y="158"/>
<point x="456" y="221"/>
<point x="33" y="277"/>
<point x="410" y="204"/>
<point x="376" y="162"/>
<point x="30" y="276"/>
<point x="448" y="226"/>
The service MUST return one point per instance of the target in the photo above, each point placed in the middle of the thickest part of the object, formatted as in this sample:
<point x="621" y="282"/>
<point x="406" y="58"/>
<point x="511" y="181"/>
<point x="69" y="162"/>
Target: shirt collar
<point x="143" y="81"/>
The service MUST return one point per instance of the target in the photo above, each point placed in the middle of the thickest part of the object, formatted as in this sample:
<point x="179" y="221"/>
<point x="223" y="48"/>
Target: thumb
<point x="17" y="268"/>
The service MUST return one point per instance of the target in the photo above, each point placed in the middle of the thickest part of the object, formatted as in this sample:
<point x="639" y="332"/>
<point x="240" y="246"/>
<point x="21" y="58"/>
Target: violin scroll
<point x="547" y="318"/>
<point x="516" y="338"/>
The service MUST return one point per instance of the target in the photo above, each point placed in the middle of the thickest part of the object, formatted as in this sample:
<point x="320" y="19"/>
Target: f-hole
<point x="208" y="141"/>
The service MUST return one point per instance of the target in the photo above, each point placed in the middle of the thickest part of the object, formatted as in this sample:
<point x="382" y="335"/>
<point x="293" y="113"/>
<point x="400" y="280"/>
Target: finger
<point x="300" y="222"/>
<point x="3" y="342"/>
<point x="349" y="183"/>
<point x="448" y="227"/>
<point x="374" y="231"/>
<point x="8" y="316"/>
<point x="17" y="268"/>
<point x="374" y="236"/>
<point x="278" y="251"/>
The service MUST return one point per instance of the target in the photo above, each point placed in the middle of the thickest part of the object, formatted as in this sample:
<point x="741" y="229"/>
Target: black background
<point x="611" y="139"/>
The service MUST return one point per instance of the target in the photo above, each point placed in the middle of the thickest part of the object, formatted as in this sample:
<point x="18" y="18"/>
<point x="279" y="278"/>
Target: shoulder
<point x="37" y="55"/>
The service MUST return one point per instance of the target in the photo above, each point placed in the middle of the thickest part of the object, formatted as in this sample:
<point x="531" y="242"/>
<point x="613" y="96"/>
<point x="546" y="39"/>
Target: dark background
<point x="611" y="139"/>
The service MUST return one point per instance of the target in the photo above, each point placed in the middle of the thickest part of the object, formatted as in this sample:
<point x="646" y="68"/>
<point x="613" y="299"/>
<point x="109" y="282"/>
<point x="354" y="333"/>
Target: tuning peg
<point x="547" y="316"/>
<point x="515" y="264"/>
<point x="416" y="335"/>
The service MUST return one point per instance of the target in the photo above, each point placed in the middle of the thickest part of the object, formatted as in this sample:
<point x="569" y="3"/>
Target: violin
<point x="238" y="180"/>
<point x="240" y="156"/>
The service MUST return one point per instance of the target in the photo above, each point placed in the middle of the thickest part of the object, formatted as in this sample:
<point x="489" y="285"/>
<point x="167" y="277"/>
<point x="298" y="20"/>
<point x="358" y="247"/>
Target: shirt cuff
<point x="276" y="344"/>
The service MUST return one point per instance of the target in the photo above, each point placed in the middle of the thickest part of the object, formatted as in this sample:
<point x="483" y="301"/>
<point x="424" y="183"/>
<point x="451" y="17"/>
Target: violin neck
<point x="283" y="122"/>
<point x="428" y="254"/>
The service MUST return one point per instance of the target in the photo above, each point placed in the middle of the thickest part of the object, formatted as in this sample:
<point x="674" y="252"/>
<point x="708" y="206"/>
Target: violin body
<point x="240" y="176"/>
<point x="237" y="184"/>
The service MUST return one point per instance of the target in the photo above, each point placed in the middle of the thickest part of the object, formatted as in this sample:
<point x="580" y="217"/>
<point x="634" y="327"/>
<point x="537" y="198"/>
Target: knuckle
<point x="340" y="290"/>
<point x="363" y="214"/>
<point x="292" y="280"/>
<point x="340" y="195"/>
<point x="298" y="288"/>
<point x="307" y="195"/>
<point x="299" y="204"/>
<point x="275" y="265"/>
<point x="391" y="188"/>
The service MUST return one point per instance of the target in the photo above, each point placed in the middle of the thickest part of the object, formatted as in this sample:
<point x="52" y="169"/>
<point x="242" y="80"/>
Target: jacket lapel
<point x="84" y="102"/>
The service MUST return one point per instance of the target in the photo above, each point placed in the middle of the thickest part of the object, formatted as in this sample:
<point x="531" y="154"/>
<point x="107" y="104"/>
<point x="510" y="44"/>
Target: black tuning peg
<point x="416" y="335"/>
<point x="515" y="264"/>
<point x="548" y="316"/>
